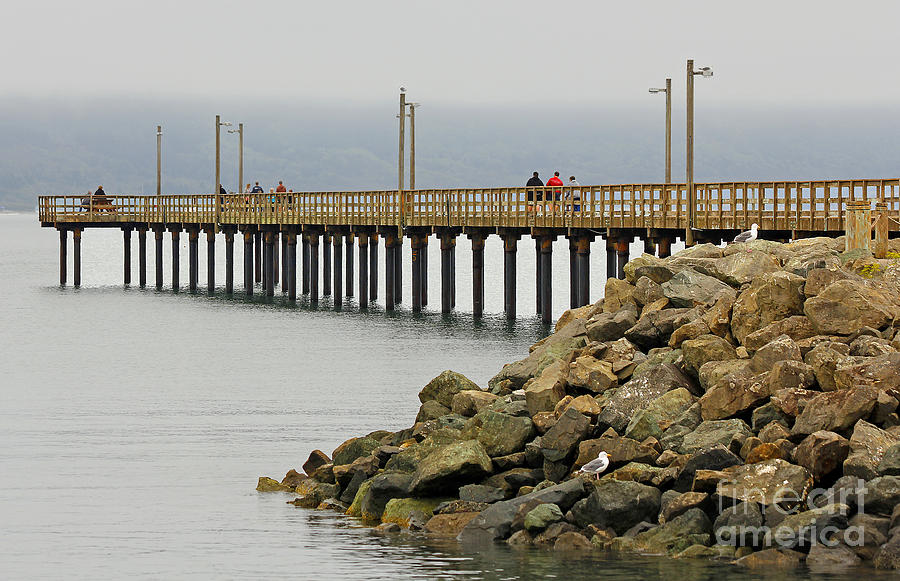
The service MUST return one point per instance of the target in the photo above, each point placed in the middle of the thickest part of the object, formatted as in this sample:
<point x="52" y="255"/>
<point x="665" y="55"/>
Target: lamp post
<point x="219" y="125"/>
<point x="240" y="132"/>
<point x="158" y="160"/>
<point x="705" y="72"/>
<point x="402" y="135"/>
<point x="412" y="144"/>
<point x="668" y="91"/>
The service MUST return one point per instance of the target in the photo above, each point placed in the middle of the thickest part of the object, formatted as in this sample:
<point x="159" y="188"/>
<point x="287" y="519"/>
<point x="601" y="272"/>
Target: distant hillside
<point x="71" y="147"/>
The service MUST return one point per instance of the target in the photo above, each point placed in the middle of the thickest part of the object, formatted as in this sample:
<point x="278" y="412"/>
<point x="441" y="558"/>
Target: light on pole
<point x="692" y="198"/>
<point x="240" y="132"/>
<point x="668" y="91"/>
<point x="412" y="144"/>
<point x="158" y="160"/>
<point x="219" y="125"/>
<point x="402" y="135"/>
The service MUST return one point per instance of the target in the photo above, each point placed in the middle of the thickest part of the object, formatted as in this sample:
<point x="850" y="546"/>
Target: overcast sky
<point x="459" y="51"/>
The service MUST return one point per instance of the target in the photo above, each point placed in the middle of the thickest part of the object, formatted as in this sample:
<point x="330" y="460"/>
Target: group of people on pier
<point x="572" y="197"/>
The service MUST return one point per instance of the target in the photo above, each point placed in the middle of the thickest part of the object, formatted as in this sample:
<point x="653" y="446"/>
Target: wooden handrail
<point x="810" y="205"/>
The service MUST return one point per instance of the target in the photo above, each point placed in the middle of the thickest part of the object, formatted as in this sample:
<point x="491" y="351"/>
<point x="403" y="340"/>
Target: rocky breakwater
<point x="746" y="396"/>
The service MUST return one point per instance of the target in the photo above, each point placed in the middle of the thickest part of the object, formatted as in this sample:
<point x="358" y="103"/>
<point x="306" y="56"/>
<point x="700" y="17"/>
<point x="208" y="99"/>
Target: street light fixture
<point x="692" y="196"/>
<point x="159" y="160"/>
<point x="219" y="125"/>
<point x="412" y="144"/>
<point x="668" y="91"/>
<point x="402" y="116"/>
<point x="240" y="132"/>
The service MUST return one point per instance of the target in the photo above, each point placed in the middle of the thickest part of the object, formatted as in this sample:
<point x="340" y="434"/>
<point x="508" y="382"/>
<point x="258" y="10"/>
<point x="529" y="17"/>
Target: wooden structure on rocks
<point x="272" y="224"/>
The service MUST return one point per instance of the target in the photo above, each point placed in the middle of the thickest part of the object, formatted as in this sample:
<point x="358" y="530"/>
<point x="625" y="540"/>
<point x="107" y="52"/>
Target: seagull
<point x="748" y="236"/>
<point x="597" y="466"/>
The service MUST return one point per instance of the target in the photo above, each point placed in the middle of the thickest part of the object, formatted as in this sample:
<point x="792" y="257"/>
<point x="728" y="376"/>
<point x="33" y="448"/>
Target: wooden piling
<point x="126" y="238"/>
<point x="510" y="248"/>
<point x="425" y="271"/>
<point x="290" y="266"/>
<point x="857" y="225"/>
<point x="881" y="227"/>
<point x="63" y="258"/>
<point x="269" y="262"/>
<point x="611" y="259"/>
<point x="453" y="274"/>
<point x="622" y="251"/>
<point x="547" y="279"/>
<point x="583" y="266"/>
<point x="76" y="257"/>
<point x="158" y="235"/>
<point x="363" y="241"/>
<point x="249" y="238"/>
<point x="538" y="295"/>
<point x="477" y="239"/>
<point x="416" y="268"/>
<point x="665" y="247"/>
<point x="276" y="253"/>
<point x="390" y="278"/>
<point x="326" y="264"/>
<point x="348" y="242"/>
<point x="211" y="261"/>
<point x="338" y="295"/>
<point x="447" y="242"/>
<point x="304" y="263"/>
<point x="229" y="262"/>
<point x="313" y="238"/>
<point x="176" y="259"/>
<point x="649" y="246"/>
<point x="258" y="252"/>
<point x="142" y="257"/>
<point x="573" y="274"/>
<point x="373" y="267"/>
<point x="398" y="271"/>
<point x="193" y="259"/>
<point x="284" y="263"/>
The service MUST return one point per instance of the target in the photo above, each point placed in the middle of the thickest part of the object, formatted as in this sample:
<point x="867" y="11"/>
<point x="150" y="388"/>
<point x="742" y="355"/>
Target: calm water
<point x="134" y="424"/>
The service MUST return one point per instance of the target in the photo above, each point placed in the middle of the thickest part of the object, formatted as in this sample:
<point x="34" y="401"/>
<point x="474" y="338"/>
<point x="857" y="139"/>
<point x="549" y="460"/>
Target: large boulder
<point x="495" y="522"/>
<point x="848" y="305"/>
<point x="822" y="452"/>
<point x="824" y="360"/>
<point x="703" y="349"/>
<point x="561" y="440"/>
<point x="809" y="527"/>
<point x="770" y="297"/>
<point x="500" y="434"/>
<point x="868" y="445"/>
<point x="618" y="505"/>
<point x="782" y="348"/>
<point x="733" y="394"/>
<point x="619" y="450"/>
<point x="352" y="449"/>
<point x="592" y="374"/>
<point x="739" y="524"/>
<point x="765" y="482"/>
<point x="443" y="387"/>
<point x="717" y="457"/>
<point x="381" y="489"/>
<point x="654" y="329"/>
<point x="451" y="466"/>
<point x="542" y="516"/>
<point x="691" y="528"/>
<point x="739" y="268"/>
<point x="646" y="291"/>
<point x="689" y="288"/>
<point x="471" y="401"/>
<point x="881" y="372"/>
<point x="610" y="326"/>
<point x="640" y="392"/>
<point x="890" y="462"/>
<point x="835" y="411"/>
<point x="712" y="432"/>
<point x="402" y="511"/>
<point x="882" y="495"/>
<point x="316" y="459"/>
<point x="659" y="414"/>
<point x="544" y="353"/>
<point x="797" y="327"/>
<point x="618" y="294"/>
<point x="547" y="389"/>
<point x="818" y="279"/>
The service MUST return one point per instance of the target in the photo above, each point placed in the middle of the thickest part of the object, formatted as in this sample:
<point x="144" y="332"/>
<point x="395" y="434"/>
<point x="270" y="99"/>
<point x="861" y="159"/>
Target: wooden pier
<point x="271" y="224"/>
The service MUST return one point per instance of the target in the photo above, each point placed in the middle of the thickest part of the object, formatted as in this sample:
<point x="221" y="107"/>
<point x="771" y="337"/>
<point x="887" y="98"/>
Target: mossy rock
<point x="397" y="510"/>
<point x="267" y="484"/>
<point x="356" y="506"/>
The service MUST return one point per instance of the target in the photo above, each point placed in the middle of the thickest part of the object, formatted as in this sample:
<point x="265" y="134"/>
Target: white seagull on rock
<point x="748" y="236"/>
<point x="596" y="467"/>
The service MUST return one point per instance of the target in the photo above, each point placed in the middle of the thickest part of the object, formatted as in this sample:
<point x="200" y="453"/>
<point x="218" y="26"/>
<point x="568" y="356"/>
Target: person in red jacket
<point x="557" y="194"/>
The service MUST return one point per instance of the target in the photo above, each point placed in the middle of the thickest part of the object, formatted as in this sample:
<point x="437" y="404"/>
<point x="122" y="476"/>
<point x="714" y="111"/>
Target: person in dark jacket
<point x="533" y="182"/>
<point x="222" y="190"/>
<point x="257" y="189"/>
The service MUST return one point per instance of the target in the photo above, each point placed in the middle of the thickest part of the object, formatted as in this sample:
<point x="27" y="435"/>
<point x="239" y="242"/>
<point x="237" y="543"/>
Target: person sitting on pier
<point x="573" y="195"/>
<point x="280" y="189"/>
<point x="534" y="181"/>
<point x="557" y="194"/>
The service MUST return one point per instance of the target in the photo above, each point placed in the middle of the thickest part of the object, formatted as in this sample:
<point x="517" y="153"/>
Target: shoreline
<point x="746" y="396"/>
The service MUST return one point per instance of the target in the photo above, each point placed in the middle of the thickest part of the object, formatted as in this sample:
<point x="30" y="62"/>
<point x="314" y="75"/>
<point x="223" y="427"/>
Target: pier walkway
<point x="655" y="213"/>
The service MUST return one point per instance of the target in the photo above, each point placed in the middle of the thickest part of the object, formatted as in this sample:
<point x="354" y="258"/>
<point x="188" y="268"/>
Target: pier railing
<point x="774" y="205"/>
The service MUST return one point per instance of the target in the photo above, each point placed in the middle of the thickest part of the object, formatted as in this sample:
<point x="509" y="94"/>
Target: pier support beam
<point x="304" y="263"/>
<point x="248" y="262"/>
<point x="257" y="249"/>
<point x="229" y="262"/>
<point x="193" y="259"/>
<point x="284" y="263"/>
<point x="390" y="271"/>
<point x="649" y="246"/>
<point x="448" y="243"/>
<point x="211" y="261"/>
<point x="665" y="247"/>
<point x="313" y="252"/>
<point x="290" y="268"/>
<point x="326" y="264"/>
<point x="348" y="242"/>
<point x="425" y="271"/>
<point x="547" y="279"/>
<point x="142" y="257"/>
<point x="363" y="241"/>
<point x="416" y="264"/>
<point x="538" y="298"/>
<point x="573" y="274"/>
<point x="373" y="267"/>
<point x="611" y="260"/>
<point x="76" y="257"/>
<point x="398" y="271"/>
<point x="158" y="235"/>
<point x="176" y="259"/>
<point x="126" y="238"/>
<point x="510" y="248"/>
<point x="338" y="293"/>
<point x="453" y="275"/>
<point x="622" y="251"/>
<point x="269" y="262"/>
<point x="63" y="255"/>
<point x="583" y="266"/>
<point x="477" y="239"/>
